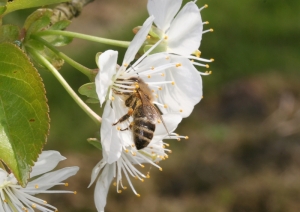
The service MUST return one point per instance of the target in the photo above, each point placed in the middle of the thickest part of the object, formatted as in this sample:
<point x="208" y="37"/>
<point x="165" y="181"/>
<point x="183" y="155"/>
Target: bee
<point x="144" y="112"/>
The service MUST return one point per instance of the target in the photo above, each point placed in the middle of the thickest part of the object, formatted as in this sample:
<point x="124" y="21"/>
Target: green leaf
<point x="89" y="90"/>
<point x="95" y="142"/>
<point x="9" y="33"/>
<point x="24" y="4"/>
<point x="24" y="120"/>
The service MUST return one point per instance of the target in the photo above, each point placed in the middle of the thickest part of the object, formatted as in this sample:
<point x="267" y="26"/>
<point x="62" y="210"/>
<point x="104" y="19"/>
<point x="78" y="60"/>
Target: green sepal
<point x="154" y="32"/>
<point x="9" y="33"/>
<point x="97" y="58"/>
<point x="95" y="142"/>
<point x="24" y="119"/>
<point x="92" y="101"/>
<point x="2" y="9"/>
<point x="89" y="90"/>
<point x="60" y="25"/>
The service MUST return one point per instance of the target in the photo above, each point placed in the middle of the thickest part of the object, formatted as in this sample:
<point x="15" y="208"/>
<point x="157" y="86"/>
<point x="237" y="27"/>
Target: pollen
<point x="138" y="195"/>
<point x="166" y="37"/>
<point x="148" y="37"/>
<point x="132" y="145"/>
<point x="178" y="65"/>
<point x="198" y="53"/>
<point x="212" y="59"/>
<point x="165" y="106"/>
<point x="148" y="176"/>
<point x="142" y="166"/>
<point x="160" y="169"/>
<point x="33" y="205"/>
<point x="119" y="191"/>
<point x="208" y="72"/>
<point x="162" y="74"/>
<point x="115" y="184"/>
<point x="158" y="121"/>
<point x="36" y="186"/>
<point x="181" y="110"/>
<point x="5" y="200"/>
<point x="137" y="86"/>
<point x="149" y="76"/>
<point x="66" y="184"/>
<point x="173" y="83"/>
<point x="186" y="137"/>
<point x="211" y="30"/>
<point x="207" y="66"/>
<point x="126" y="150"/>
<point x="167" y="144"/>
<point x="118" y="128"/>
<point x="159" y="88"/>
<point x="167" y="156"/>
<point x="142" y="180"/>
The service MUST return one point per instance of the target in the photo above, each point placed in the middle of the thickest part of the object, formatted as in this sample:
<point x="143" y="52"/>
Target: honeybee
<point x="144" y="112"/>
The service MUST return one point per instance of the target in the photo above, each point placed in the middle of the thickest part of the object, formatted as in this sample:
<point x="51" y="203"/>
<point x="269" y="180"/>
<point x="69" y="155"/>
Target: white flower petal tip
<point x="22" y="199"/>
<point x="107" y="68"/>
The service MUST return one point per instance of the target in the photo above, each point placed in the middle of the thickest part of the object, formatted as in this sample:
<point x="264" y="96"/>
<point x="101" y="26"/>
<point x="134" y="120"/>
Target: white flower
<point x="182" y="34"/>
<point x="130" y="156"/>
<point x="16" y="198"/>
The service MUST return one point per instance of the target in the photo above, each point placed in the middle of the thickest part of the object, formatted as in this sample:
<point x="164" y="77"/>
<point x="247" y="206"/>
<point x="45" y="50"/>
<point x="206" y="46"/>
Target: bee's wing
<point x="151" y="111"/>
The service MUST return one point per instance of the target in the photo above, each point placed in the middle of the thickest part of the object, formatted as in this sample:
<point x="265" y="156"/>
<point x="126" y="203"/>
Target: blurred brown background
<point x="243" y="154"/>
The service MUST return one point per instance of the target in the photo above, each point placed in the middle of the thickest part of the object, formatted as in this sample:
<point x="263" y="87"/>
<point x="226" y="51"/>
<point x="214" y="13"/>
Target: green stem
<point x="97" y="119"/>
<point x="86" y="71"/>
<point x="124" y="44"/>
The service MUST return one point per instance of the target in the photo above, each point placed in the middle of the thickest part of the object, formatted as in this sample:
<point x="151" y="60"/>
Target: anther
<point x="137" y="86"/>
<point x="125" y="65"/>
<point x="152" y="68"/>
<point x="160" y="169"/>
<point x="115" y="183"/>
<point x="206" y="22"/>
<point x="45" y="202"/>
<point x="142" y="166"/>
<point x="138" y="195"/>
<point x="178" y="139"/>
<point x="207" y="66"/>
<point x="178" y="65"/>
<point x="133" y="154"/>
<point x="212" y="59"/>
<point x="192" y="61"/>
<point x="126" y="150"/>
<point x="66" y="184"/>
<point x="158" y="121"/>
<point x="205" y="6"/>
<point x="118" y="128"/>
<point x="119" y="191"/>
<point x="5" y="200"/>
<point x="124" y="187"/>
<point x="36" y="186"/>
<point x="162" y="74"/>
<point x="167" y="144"/>
<point x="142" y="180"/>
<point x="167" y="57"/>
<point x="159" y="88"/>
<point x="211" y="30"/>
<point x="166" y="37"/>
<point x="186" y="137"/>
<point x="132" y="145"/>
<point x="198" y="53"/>
<point x="33" y="205"/>
<point x="166" y="156"/>
<point x="75" y="192"/>
<point x="202" y="97"/>
<point x="173" y="83"/>
<point x="112" y="98"/>
<point x="181" y="110"/>
<point x="165" y="106"/>
<point x="148" y="37"/>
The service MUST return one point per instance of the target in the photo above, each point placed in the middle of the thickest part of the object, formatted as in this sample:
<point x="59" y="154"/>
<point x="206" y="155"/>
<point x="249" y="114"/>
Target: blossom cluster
<point x="162" y="84"/>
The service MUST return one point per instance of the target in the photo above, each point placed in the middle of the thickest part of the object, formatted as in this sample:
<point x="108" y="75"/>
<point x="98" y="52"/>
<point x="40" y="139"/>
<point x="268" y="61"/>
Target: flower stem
<point x="124" y="44"/>
<point x="97" y="119"/>
<point x="86" y="71"/>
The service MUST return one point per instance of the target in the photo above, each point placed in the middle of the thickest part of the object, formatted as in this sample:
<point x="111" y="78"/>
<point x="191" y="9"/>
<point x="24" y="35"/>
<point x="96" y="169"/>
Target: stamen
<point x="149" y="76"/>
<point x="205" y="6"/>
<point x="208" y="30"/>
<point x="125" y="65"/>
<point x="205" y="22"/>
<point x="178" y="65"/>
<point x="173" y="83"/>
<point x="166" y="37"/>
<point x="148" y="37"/>
<point x="152" y="68"/>
<point x="207" y="66"/>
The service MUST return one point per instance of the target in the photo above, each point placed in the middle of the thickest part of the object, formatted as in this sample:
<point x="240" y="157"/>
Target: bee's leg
<point x="125" y="117"/>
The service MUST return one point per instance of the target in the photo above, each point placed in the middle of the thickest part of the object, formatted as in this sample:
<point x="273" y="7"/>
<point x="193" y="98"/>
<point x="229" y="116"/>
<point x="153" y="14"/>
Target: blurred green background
<point x="243" y="154"/>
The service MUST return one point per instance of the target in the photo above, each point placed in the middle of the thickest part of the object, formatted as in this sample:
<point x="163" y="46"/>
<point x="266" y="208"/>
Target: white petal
<point x="52" y="177"/>
<point x="171" y="121"/>
<point x="138" y="41"/>
<point x="185" y="33"/>
<point x="107" y="62"/>
<point x="47" y="161"/>
<point x="163" y="11"/>
<point x="3" y="175"/>
<point x="187" y="90"/>
<point x="110" y="140"/>
<point x="96" y="170"/>
<point x="102" y="187"/>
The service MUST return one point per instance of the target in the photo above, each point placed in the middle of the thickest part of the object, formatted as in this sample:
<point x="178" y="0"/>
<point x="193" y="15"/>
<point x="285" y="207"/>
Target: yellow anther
<point x="149" y="76"/>
<point x="125" y="65"/>
<point x="126" y="150"/>
<point x="167" y="144"/>
<point x="178" y="139"/>
<point x="156" y="95"/>
<point x="166" y="37"/>
<point x="124" y="187"/>
<point x="75" y="192"/>
<point x="112" y="98"/>
<point x="142" y="180"/>
<point x="160" y="169"/>
<point x="5" y="200"/>
<point x="178" y="65"/>
<point x="118" y="128"/>
<point x="152" y="68"/>
<point x="119" y="191"/>
<point x="163" y="158"/>
<point x="211" y="30"/>
<point x="66" y="184"/>
<point x="45" y="202"/>
<point x="181" y="110"/>
<point x="212" y="59"/>
<point x="165" y="106"/>
<point x="148" y="176"/>
<point x="207" y="66"/>
<point x="137" y="86"/>
<point x="162" y="74"/>
<point x="206" y="22"/>
<point x="192" y="61"/>
<point x="198" y="53"/>
<point x="186" y="137"/>
<point x="132" y="145"/>
<point x="164" y="146"/>
<point x="33" y="205"/>
<point x="56" y="210"/>
<point x="173" y="83"/>
<point x="205" y="6"/>
<point x="167" y="57"/>
<point x="136" y="177"/>
<point x="202" y="97"/>
<point x="170" y="151"/>
<point x="166" y="156"/>
<point x="115" y="183"/>
<point x="142" y="166"/>
<point x="152" y="91"/>
<point x="138" y="195"/>
<point x="159" y="88"/>
<point x="133" y="154"/>
<point x="158" y="121"/>
<point x="36" y="186"/>
<point x="148" y="37"/>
